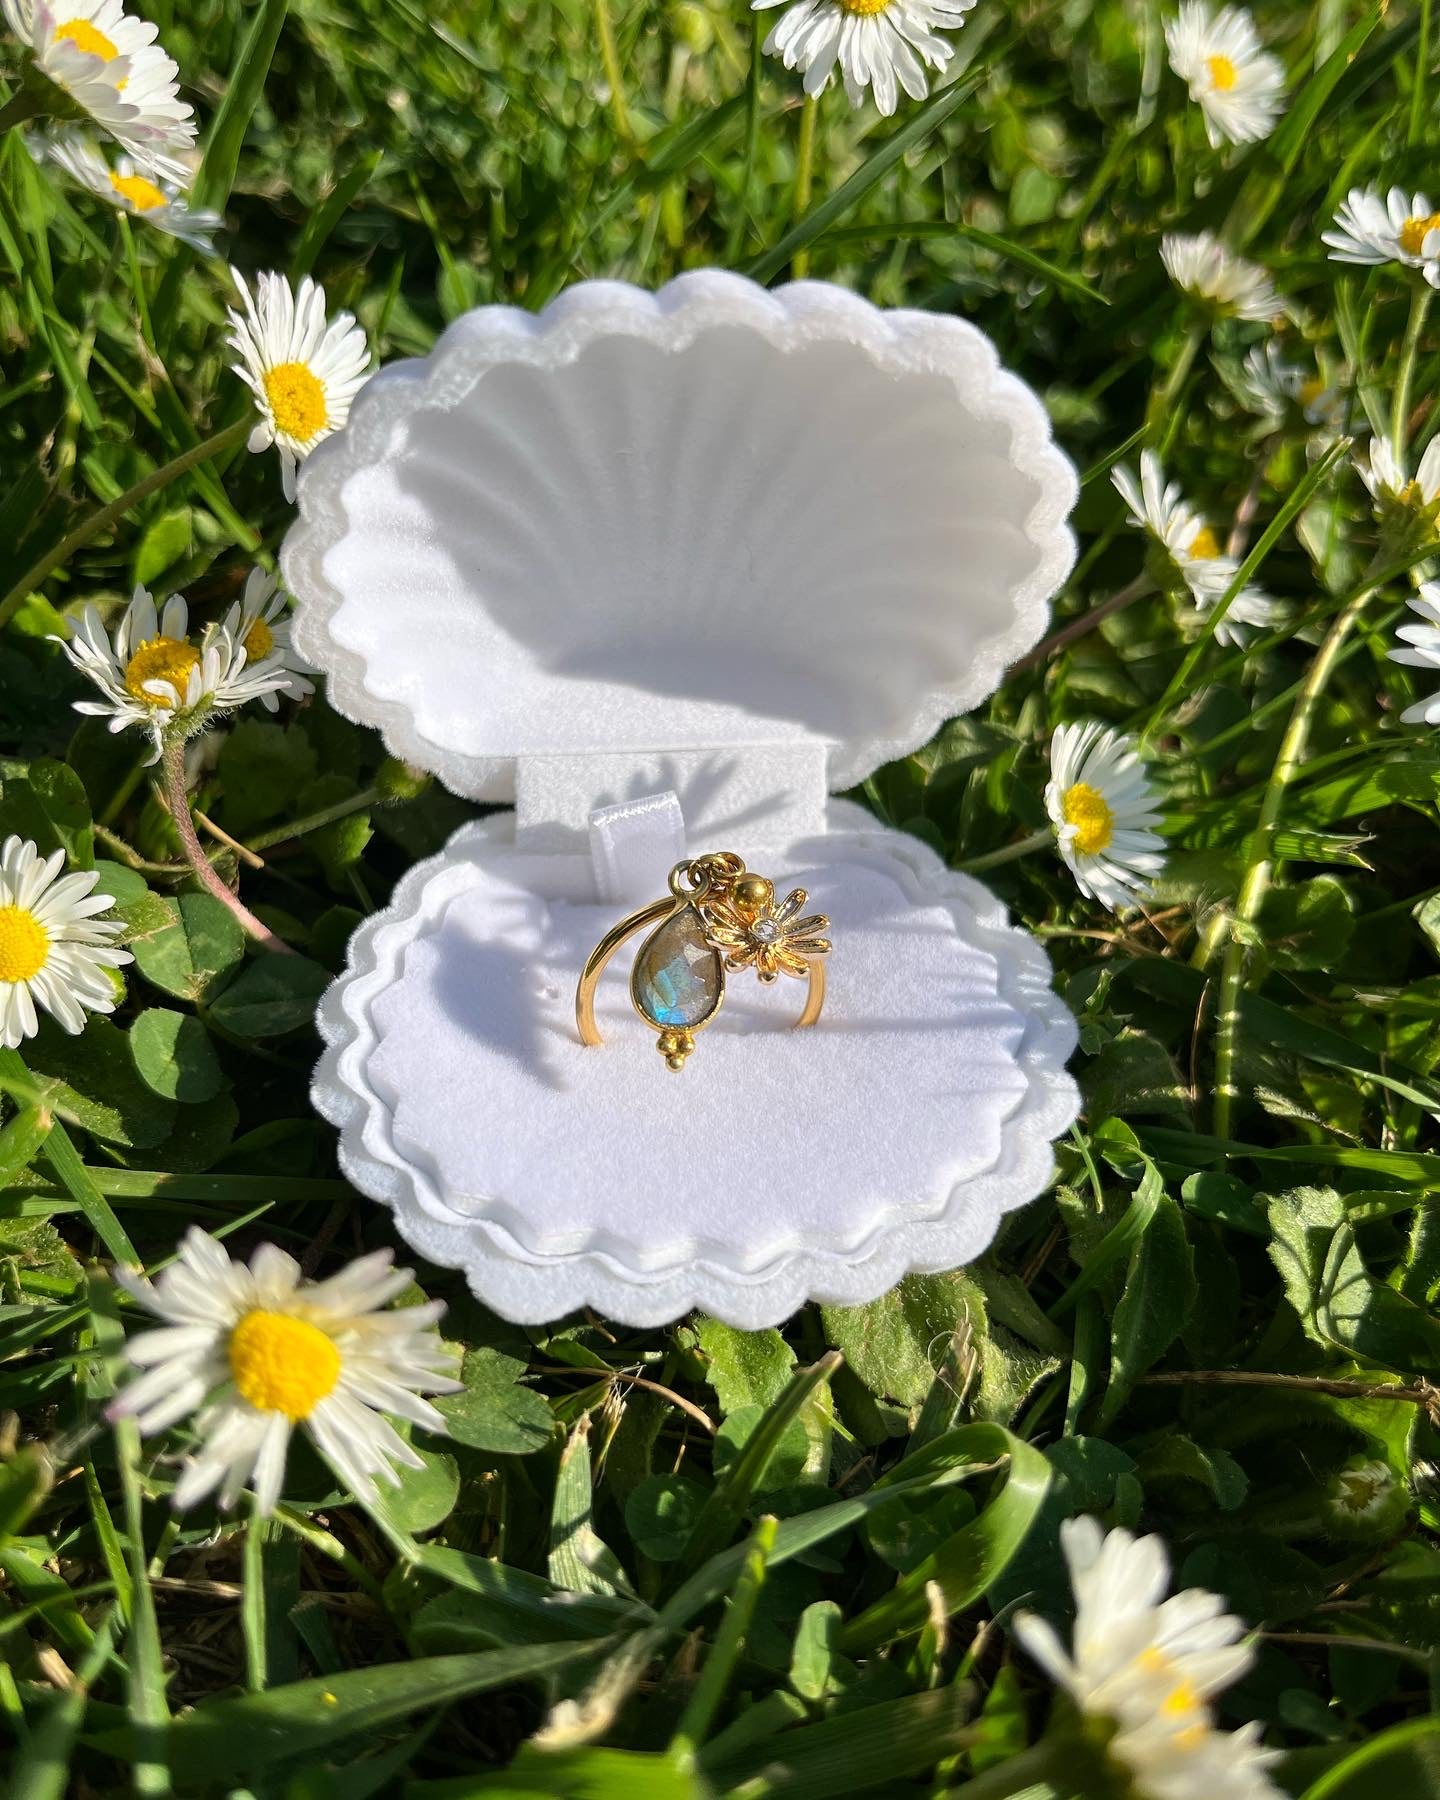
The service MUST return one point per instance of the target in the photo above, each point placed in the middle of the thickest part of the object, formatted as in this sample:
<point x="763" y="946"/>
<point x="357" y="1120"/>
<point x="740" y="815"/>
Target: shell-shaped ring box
<point x="662" y="572"/>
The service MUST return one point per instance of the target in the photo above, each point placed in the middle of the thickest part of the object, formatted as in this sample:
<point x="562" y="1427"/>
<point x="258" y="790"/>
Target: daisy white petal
<point x="52" y="947"/>
<point x="1276" y="388"/>
<point x="883" y="45"/>
<point x="1146" y="1668"/>
<point x="1102" y="809"/>
<point x="1210" y="272"/>
<point x="302" y="372"/>
<point x="1238" y="86"/>
<point x="160" y="203"/>
<point x="259" y="624"/>
<point x="1371" y="228"/>
<point x="107" y="67"/>
<point x="259" y="1351"/>
<point x="155" y="675"/>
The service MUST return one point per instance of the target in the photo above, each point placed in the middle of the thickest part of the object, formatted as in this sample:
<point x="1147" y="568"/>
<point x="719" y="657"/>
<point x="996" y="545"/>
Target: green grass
<point x="805" y="1554"/>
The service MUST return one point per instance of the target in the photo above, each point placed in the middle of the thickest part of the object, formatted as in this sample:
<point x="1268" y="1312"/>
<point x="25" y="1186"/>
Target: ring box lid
<point x="786" y="525"/>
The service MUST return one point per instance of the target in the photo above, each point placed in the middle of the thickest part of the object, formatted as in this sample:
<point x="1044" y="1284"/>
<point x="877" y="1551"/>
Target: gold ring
<point x="715" y="917"/>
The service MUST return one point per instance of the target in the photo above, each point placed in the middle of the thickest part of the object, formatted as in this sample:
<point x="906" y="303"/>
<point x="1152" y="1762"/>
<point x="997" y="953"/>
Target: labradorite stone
<point x="677" y="976"/>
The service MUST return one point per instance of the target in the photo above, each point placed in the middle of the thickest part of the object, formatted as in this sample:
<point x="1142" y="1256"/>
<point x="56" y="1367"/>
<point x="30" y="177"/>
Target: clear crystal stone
<point x="765" y="931"/>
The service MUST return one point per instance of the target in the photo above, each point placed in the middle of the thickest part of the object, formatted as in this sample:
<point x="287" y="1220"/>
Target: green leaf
<point x="1370" y="1319"/>
<point x="975" y="1556"/>
<point x="242" y="91"/>
<point x="1308" y="926"/>
<point x="725" y="1508"/>
<point x="49" y="805"/>
<point x="580" y="1560"/>
<point x="165" y="542"/>
<point x="660" y="1514"/>
<point x="896" y="1343"/>
<point x="922" y="124"/>
<point x="174" y="1055"/>
<point x="589" y="1773"/>
<point x="1403" y="1761"/>
<point x="1154" y="1303"/>
<point x="90" y="1080"/>
<point x="425" y="1497"/>
<point x="494" y="1412"/>
<point x="252" y="1733"/>
<point x="817" y="1641"/>
<point x="183" y="946"/>
<point x="272" y="995"/>
<point x="1179" y="1458"/>
<point x="262" y="767"/>
<point x="745" y="1368"/>
<point x="868" y="1748"/>
<point x="520" y="1608"/>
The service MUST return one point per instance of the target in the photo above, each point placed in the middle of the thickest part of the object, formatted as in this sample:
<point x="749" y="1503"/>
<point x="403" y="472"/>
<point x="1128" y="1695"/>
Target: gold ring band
<point x="717" y="916"/>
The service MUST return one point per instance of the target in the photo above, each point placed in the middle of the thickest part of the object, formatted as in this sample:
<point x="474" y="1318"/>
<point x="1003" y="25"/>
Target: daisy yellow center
<point x="283" y="1364"/>
<point x="1223" y="73"/>
<point x="1204" y="544"/>
<point x="1311" y="390"/>
<point x="297" y="400"/>
<point x="258" y="641"/>
<point x="84" y="36"/>
<point x="24" y="944"/>
<point x="1413" y="232"/>
<point x="160" y="659"/>
<point x="865" y="8"/>
<point x="1088" y="811"/>
<point x="143" y="195"/>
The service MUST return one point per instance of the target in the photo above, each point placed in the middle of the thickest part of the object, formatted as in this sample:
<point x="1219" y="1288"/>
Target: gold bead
<point x="676" y="1062"/>
<point x="751" y="894"/>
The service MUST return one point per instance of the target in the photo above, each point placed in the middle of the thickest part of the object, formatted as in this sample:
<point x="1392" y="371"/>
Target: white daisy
<point x="1102" y="808"/>
<point x="1147" y="1667"/>
<point x="160" y="204"/>
<point x="53" y="949"/>
<point x="109" y="69"/>
<point x="1192" y="547"/>
<point x="302" y="372"/>
<point x="254" y="1352"/>
<point x="1271" y="386"/>
<point x="1226" y="284"/>
<point x="258" y="624"/>
<point x="1384" y="474"/>
<point x="154" y="675"/>
<point x="877" y="43"/>
<point x="1423" y="651"/>
<point x="1156" y="506"/>
<point x="1237" y="84"/>
<point x="1397" y="228"/>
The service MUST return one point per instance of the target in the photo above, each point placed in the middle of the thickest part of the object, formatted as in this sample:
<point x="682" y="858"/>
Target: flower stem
<point x="1399" y="418"/>
<point x="992" y="859"/>
<point x="25" y="103"/>
<point x="1162" y="403"/>
<point x="614" y="80"/>
<point x="108" y="515"/>
<point x="1077" y="628"/>
<point x="804" y="177"/>
<point x="1260" y="864"/>
<point x="177" y="802"/>
<point x="1029" y="1769"/>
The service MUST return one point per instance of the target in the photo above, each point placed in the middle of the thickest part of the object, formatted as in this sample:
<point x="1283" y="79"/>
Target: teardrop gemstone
<point x="677" y="981"/>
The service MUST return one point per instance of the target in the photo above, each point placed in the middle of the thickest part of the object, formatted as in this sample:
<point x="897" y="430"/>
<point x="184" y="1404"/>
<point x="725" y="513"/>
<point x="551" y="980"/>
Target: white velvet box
<point x="740" y="548"/>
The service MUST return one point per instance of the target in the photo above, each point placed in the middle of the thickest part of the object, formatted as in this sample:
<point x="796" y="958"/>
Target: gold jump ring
<point x="716" y="917"/>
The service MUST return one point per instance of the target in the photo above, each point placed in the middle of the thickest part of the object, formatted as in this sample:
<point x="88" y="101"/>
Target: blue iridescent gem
<point x="677" y="981"/>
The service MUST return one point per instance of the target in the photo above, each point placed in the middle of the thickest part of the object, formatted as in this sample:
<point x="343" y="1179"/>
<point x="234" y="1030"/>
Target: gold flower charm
<point x="751" y="931"/>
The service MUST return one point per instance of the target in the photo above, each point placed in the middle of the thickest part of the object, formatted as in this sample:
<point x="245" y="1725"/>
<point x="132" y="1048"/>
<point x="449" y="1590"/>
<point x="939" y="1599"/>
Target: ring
<point x="715" y="917"/>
